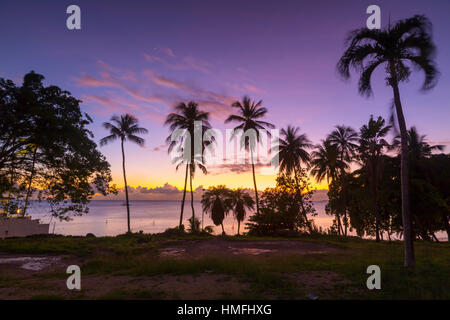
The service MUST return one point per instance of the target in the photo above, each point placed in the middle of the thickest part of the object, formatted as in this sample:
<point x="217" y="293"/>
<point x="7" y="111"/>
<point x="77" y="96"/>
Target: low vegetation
<point x="337" y="274"/>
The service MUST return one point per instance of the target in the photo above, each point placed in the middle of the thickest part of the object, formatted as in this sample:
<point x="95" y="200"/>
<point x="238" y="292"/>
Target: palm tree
<point x="292" y="153"/>
<point x="185" y="118"/>
<point x="344" y="138"/>
<point x="372" y="143"/>
<point x="248" y="113"/>
<point x="292" y="150"/>
<point x="240" y="202"/>
<point x="418" y="148"/>
<point x="408" y="43"/>
<point x="217" y="201"/>
<point x="325" y="164"/>
<point x="124" y="128"/>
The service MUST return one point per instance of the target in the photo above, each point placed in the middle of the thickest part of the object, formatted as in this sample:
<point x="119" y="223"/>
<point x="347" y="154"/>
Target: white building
<point x="21" y="227"/>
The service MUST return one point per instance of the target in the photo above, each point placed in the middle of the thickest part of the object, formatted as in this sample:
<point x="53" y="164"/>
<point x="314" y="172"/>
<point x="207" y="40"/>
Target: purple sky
<point x="144" y="56"/>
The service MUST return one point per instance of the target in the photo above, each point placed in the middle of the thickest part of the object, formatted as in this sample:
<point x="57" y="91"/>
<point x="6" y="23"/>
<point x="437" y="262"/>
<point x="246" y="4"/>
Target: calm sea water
<point x="109" y="217"/>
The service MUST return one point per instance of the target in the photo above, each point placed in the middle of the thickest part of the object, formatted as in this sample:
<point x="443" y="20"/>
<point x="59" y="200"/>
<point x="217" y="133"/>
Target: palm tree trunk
<point x="410" y="261"/>
<point x="338" y="220"/>
<point x="11" y="172"/>
<point x="299" y="195"/>
<point x="254" y="182"/>
<point x="184" y="197"/>
<point x="126" y="188"/>
<point x="192" y="201"/>
<point x="376" y="213"/>
<point x="30" y="182"/>
<point x="344" y="186"/>
<point x="223" y="230"/>
<point x="239" y="225"/>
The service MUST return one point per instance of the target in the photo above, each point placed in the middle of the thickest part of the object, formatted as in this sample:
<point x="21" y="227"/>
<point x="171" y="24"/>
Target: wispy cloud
<point x="253" y="89"/>
<point x="234" y="168"/>
<point x="167" y="58"/>
<point x="160" y="147"/>
<point x="150" y="94"/>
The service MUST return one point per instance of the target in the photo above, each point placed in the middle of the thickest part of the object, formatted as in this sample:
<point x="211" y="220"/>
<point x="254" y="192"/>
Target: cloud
<point x="105" y="66"/>
<point x="105" y="81"/>
<point x="166" y="188"/>
<point x="167" y="51"/>
<point x="234" y="168"/>
<point x="150" y="95"/>
<point x="253" y="89"/>
<point x="165" y="82"/>
<point x="171" y="61"/>
<point x="218" y="104"/>
<point x="242" y="70"/>
<point x="164" y="192"/>
<point x="160" y="147"/>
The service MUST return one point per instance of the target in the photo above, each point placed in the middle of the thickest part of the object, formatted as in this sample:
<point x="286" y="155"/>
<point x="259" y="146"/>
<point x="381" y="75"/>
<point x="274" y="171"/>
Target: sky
<point x="144" y="57"/>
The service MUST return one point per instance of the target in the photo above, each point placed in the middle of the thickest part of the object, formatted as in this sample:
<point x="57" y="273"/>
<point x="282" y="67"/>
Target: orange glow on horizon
<point x="233" y="181"/>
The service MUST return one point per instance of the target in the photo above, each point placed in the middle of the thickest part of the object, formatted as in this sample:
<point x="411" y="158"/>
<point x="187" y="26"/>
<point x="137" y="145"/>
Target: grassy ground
<point x="130" y="266"/>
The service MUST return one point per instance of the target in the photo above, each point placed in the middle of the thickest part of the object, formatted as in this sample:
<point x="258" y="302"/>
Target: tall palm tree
<point x="345" y="139"/>
<point x="217" y="201"/>
<point x="125" y="128"/>
<point x="372" y="144"/>
<point x="292" y="154"/>
<point x="325" y="164"/>
<point x="240" y="202"/>
<point x="248" y="113"/>
<point x="408" y="43"/>
<point x="185" y="118"/>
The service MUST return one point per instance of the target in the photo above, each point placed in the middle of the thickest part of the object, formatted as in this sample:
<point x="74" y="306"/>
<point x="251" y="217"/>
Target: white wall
<point x="21" y="227"/>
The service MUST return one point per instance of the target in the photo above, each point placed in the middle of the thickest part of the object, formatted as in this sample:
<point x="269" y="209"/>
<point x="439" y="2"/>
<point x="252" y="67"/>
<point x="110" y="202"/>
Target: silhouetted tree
<point x="45" y="146"/>
<point x="218" y="202"/>
<point x="372" y="145"/>
<point x="292" y="154"/>
<point x="248" y="113"/>
<point x="124" y="128"/>
<point x="240" y="202"/>
<point x="184" y="119"/>
<point x="408" y="42"/>
<point x="344" y="138"/>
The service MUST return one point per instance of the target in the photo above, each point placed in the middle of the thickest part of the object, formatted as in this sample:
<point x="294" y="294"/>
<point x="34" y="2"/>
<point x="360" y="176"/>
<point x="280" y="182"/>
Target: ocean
<point x="109" y="217"/>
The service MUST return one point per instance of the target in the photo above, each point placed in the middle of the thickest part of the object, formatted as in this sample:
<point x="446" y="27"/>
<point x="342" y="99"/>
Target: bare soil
<point x="17" y="282"/>
<point x="214" y="247"/>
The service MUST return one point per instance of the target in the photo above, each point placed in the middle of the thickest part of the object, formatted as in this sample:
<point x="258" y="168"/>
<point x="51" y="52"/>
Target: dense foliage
<point x="46" y="150"/>
<point x="283" y="209"/>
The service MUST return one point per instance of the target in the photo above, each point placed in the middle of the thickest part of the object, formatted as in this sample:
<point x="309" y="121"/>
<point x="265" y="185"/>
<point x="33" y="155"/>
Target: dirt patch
<point x="322" y="284"/>
<point x="44" y="276"/>
<point x="203" y="286"/>
<point x="30" y="263"/>
<point x="200" y="248"/>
